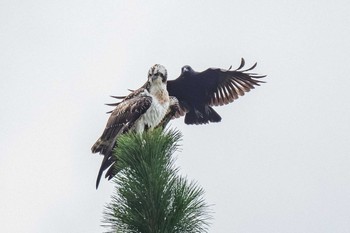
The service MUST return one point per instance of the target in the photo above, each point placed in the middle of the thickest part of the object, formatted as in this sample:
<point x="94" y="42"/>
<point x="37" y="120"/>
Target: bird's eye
<point x="159" y="74"/>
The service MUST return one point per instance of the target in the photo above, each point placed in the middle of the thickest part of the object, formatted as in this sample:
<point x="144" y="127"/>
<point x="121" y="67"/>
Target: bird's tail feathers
<point x="206" y="115"/>
<point x="107" y="162"/>
<point x="212" y="114"/>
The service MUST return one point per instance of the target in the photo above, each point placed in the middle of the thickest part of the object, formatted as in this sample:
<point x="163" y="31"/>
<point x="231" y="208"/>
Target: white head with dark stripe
<point x="157" y="73"/>
<point x="157" y="83"/>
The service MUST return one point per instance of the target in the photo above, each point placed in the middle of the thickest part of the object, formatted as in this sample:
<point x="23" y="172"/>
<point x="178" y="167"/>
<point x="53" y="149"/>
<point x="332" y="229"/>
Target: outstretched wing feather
<point x="224" y="86"/>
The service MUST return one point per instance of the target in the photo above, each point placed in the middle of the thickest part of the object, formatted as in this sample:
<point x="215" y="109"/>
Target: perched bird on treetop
<point x="142" y="110"/>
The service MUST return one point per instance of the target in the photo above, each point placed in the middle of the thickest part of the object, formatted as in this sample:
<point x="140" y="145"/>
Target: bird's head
<point x="157" y="74"/>
<point x="186" y="70"/>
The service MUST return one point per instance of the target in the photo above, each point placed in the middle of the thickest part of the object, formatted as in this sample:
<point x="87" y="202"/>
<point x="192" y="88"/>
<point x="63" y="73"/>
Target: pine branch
<point x="150" y="196"/>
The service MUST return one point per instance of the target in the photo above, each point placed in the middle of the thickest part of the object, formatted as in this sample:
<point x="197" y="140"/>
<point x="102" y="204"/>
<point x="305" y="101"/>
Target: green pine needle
<point x="150" y="196"/>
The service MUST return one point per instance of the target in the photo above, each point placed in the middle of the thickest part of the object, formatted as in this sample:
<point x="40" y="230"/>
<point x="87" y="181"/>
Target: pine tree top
<point x="150" y="195"/>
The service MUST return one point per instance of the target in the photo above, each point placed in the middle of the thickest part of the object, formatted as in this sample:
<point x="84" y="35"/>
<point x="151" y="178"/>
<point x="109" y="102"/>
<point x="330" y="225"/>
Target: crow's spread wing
<point x="214" y="86"/>
<point x="224" y="86"/>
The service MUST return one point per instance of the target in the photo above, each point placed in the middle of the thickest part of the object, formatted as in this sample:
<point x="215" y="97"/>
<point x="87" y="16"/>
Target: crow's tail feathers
<point x="203" y="116"/>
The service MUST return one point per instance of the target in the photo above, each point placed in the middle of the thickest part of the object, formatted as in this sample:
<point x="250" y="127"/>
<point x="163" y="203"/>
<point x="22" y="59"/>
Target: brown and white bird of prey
<point x="198" y="92"/>
<point x="141" y="110"/>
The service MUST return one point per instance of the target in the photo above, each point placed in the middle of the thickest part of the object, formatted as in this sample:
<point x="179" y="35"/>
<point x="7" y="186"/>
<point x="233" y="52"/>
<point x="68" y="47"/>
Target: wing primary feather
<point x="113" y="104"/>
<point x="242" y="64"/>
<point x="232" y="90"/>
<point x="249" y="84"/>
<point x="245" y="85"/>
<point x="118" y="97"/>
<point x="211" y="102"/>
<point x="223" y="89"/>
<point x="250" y="67"/>
<point x="238" y="89"/>
<point x="229" y="95"/>
<point x="259" y="76"/>
<point x="222" y="98"/>
<point x="216" y="103"/>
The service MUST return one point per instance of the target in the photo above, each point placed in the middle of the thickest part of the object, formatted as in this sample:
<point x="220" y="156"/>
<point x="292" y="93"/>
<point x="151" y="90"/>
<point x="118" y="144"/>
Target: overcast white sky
<point x="279" y="160"/>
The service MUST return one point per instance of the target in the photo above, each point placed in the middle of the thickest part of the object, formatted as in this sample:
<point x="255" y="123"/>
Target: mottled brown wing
<point x="121" y="120"/>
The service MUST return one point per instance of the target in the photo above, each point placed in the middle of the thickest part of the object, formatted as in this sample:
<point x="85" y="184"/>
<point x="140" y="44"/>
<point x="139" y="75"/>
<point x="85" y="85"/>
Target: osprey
<point x="198" y="92"/>
<point x="142" y="110"/>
